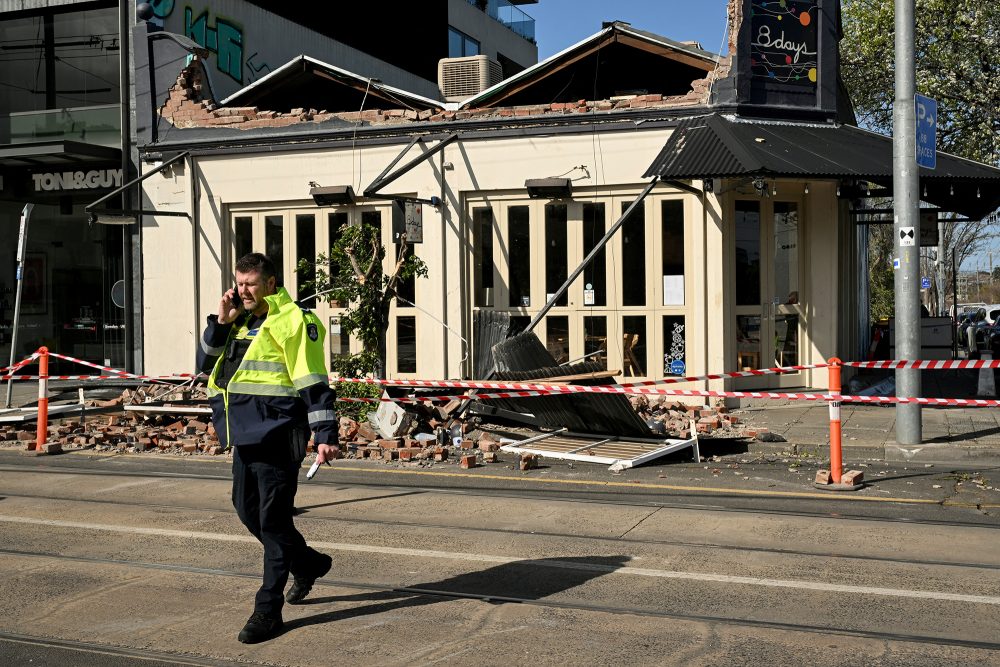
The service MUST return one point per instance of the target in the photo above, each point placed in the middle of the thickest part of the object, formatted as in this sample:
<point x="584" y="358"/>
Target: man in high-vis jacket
<point x="268" y="388"/>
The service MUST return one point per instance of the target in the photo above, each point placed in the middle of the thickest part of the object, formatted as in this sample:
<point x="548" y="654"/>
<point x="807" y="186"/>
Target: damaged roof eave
<point x="706" y="56"/>
<point x="304" y="60"/>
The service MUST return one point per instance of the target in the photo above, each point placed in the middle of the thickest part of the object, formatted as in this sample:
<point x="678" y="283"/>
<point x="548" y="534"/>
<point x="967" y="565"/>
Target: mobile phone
<point x="236" y="300"/>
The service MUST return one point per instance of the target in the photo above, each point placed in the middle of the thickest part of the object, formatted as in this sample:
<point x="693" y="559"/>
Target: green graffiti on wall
<point x="224" y="39"/>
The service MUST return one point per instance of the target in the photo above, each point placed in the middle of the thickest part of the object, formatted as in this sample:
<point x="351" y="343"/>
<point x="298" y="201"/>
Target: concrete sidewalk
<point x="963" y="436"/>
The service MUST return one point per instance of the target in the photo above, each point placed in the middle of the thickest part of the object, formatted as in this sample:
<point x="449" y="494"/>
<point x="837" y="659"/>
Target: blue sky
<point x="562" y="23"/>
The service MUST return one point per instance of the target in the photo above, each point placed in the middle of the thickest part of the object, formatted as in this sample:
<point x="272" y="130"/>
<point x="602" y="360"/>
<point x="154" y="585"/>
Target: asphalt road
<point x="112" y="560"/>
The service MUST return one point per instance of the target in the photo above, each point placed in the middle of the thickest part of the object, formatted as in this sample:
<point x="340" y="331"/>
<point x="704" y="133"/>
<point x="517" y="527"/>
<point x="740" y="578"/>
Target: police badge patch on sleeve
<point x="312" y="331"/>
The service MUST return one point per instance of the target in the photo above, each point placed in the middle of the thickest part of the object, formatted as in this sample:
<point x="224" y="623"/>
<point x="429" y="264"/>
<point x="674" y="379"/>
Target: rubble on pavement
<point x="419" y="435"/>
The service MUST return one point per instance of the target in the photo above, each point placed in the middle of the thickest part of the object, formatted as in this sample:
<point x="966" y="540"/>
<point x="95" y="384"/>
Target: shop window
<point x="748" y="343"/>
<point x="557" y="337"/>
<point x="556" y="257"/>
<point x="672" y="226"/>
<point x="674" y="345"/>
<point x="336" y="221"/>
<point x="274" y="245"/>
<point x="747" y="253"/>
<point x="482" y="244"/>
<point x="305" y="246"/>
<point x="242" y="237"/>
<point x="406" y="344"/>
<point x="340" y="342"/>
<point x="595" y="291"/>
<point x="633" y="265"/>
<point x="634" y="346"/>
<point x="518" y="324"/>
<point x="595" y="339"/>
<point x="519" y="248"/>
<point x="406" y="289"/>
<point x="786" y="252"/>
<point x="786" y="340"/>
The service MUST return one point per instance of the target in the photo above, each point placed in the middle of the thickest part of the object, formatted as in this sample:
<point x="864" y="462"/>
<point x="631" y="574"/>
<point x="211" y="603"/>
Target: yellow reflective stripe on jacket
<point x="268" y="366"/>
<point x="255" y="389"/>
<point x="309" y="380"/>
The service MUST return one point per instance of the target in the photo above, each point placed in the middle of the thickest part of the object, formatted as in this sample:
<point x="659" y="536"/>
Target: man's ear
<point x="272" y="285"/>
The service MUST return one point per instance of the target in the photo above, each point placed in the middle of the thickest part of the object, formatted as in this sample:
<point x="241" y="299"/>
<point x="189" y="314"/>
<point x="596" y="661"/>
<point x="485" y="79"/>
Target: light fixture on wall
<point x="760" y="186"/>
<point x="549" y="188"/>
<point x="805" y="190"/>
<point x="331" y="195"/>
<point x="774" y="189"/>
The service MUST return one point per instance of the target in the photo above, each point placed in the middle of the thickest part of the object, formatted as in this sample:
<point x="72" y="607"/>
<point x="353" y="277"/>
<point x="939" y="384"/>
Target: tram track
<point x="576" y="605"/>
<point x="141" y="656"/>
<point x="569" y="495"/>
<point x="686" y="544"/>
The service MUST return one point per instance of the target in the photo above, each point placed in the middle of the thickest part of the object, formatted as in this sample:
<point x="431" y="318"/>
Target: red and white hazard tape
<point x="115" y="374"/>
<point x="926" y="365"/>
<point x="956" y="402"/>
<point x="21" y="364"/>
<point x="555" y="388"/>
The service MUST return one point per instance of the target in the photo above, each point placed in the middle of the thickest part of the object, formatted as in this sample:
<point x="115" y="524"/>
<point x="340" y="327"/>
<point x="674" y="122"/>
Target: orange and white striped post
<point x="836" y="454"/>
<point x="43" y="399"/>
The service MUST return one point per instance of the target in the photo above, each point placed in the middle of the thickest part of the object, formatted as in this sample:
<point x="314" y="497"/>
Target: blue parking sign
<point x="925" y="283"/>
<point x="926" y="121"/>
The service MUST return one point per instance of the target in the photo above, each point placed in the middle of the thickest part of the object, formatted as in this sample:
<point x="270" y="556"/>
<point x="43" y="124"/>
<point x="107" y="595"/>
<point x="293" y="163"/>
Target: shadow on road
<point x="510" y="582"/>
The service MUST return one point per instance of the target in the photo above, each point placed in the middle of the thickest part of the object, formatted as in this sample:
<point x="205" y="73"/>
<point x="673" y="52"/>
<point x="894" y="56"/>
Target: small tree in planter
<point x="352" y="274"/>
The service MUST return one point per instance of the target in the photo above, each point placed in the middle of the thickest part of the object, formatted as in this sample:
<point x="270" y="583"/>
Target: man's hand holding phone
<point x="230" y="306"/>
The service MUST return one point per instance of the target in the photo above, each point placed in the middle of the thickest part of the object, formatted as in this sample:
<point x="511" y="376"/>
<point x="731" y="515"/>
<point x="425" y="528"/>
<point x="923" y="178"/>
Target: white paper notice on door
<point x="673" y="290"/>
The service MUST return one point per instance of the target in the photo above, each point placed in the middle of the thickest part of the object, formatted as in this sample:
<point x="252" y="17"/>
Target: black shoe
<point x="302" y="585"/>
<point x="260" y="628"/>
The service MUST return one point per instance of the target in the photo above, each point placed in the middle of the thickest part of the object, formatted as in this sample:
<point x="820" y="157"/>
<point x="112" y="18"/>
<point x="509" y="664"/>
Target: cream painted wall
<point x="178" y="274"/>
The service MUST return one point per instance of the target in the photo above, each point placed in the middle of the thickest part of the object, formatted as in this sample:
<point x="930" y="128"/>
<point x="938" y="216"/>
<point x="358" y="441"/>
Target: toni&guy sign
<point x="77" y="180"/>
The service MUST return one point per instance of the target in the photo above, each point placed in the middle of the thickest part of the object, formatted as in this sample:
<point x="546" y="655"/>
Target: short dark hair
<point x="256" y="262"/>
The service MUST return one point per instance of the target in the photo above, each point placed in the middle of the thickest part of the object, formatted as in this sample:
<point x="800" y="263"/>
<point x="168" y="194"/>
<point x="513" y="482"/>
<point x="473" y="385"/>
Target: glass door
<point x="767" y="277"/>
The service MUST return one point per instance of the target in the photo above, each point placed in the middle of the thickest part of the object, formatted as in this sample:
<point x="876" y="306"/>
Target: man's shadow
<point x="511" y="582"/>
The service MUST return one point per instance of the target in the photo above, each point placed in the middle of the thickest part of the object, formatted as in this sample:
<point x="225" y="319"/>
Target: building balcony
<point x="99" y="125"/>
<point x="508" y="14"/>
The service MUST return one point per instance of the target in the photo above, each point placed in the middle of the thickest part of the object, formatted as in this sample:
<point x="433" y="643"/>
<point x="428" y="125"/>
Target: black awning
<point x="717" y="146"/>
<point x="56" y="154"/>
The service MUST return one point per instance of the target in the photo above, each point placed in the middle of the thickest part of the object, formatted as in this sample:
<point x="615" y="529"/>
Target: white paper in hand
<point x="312" y="470"/>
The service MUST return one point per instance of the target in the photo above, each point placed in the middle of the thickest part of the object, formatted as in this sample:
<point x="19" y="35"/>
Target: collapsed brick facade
<point x="186" y="107"/>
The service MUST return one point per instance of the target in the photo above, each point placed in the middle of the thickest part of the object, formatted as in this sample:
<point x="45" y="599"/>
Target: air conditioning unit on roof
<point x="460" y="78"/>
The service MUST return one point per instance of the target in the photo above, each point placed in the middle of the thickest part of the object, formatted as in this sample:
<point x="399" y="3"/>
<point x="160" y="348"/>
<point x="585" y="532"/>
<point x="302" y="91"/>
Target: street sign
<point x="677" y="367"/>
<point x="906" y="237"/>
<point x="926" y="131"/>
<point x="925" y="283"/>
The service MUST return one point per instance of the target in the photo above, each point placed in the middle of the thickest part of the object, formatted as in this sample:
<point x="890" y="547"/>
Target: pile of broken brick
<point x="423" y="436"/>
<point x="666" y="417"/>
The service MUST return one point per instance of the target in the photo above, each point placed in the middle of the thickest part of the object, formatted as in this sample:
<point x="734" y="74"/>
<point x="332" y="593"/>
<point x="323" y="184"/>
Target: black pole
<point x="125" y="104"/>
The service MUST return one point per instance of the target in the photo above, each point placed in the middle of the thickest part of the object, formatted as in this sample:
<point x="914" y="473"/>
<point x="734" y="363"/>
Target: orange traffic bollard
<point x="833" y="479"/>
<point x="43" y="399"/>
<point x="836" y="455"/>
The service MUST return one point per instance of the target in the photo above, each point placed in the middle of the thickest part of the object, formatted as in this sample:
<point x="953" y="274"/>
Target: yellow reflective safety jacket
<point x="280" y="385"/>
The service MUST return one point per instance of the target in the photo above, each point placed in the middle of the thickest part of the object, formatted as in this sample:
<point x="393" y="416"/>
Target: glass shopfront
<point x="72" y="296"/>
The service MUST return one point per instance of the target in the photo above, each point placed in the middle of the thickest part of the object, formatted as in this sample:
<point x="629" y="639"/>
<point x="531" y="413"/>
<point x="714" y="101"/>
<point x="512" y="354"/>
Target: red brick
<point x="390" y="443"/>
<point x="529" y="461"/>
<point x="409" y="453"/>
<point x="190" y="447"/>
<point x="440" y="454"/>
<point x="490" y="457"/>
<point x="852" y="477"/>
<point x="823" y="477"/>
<point x="25" y="435"/>
<point x="468" y="461"/>
<point x="466" y="443"/>
<point x="390" y="454"/>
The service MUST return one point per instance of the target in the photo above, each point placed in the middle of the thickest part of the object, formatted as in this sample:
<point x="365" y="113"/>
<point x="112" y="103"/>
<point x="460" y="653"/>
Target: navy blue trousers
<point x="265" y="479"/>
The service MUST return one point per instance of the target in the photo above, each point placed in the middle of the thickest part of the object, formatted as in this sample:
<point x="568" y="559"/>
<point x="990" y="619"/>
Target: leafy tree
<point x="352" y="274"/>
<point x="958" y="63"/>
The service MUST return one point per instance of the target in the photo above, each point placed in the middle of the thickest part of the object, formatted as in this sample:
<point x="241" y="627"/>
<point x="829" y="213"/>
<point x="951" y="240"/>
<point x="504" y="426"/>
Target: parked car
<point x="992" y="313"/>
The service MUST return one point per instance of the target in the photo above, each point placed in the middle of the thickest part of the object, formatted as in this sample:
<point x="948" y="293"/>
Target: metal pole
<point x="939" y="277"/>
<point x="906" y="189"/>
<point x="954" y="306"/>
<point x="22" y="245"/>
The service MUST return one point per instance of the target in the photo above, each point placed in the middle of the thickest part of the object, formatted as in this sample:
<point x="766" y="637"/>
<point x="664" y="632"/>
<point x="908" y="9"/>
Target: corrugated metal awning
<point x="718" y="146"/>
